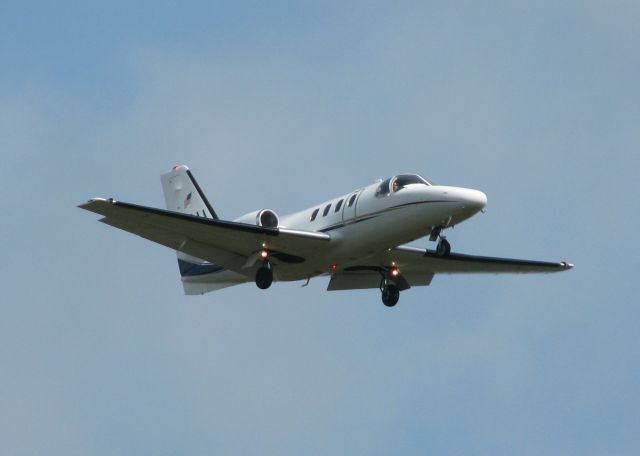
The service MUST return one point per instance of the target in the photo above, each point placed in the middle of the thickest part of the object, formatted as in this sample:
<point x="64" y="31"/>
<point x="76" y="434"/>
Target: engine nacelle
<point x="264" y="217"/>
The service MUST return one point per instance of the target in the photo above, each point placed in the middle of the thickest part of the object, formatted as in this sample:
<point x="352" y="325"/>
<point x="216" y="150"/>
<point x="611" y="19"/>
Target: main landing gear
<point x="388" y="288"/>
<point x="390" y="294"/>
<point x="264" y="277"/>
<point x="264" y="274"/>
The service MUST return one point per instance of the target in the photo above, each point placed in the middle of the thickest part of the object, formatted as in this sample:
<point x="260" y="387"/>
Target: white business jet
<point x="357" y="239"/>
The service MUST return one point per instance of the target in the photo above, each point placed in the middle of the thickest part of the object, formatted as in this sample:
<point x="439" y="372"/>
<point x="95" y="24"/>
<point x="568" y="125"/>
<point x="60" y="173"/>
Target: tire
<point x="264" y="278"/>
<point x="390" y="295"/>
<point x="444" y="248"/>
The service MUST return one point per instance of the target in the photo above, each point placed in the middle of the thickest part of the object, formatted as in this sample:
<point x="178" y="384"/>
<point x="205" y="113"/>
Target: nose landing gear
<point x="443" y="249"/>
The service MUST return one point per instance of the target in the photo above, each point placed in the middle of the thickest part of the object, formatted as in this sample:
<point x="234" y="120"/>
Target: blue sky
<point x="282" y="105"/>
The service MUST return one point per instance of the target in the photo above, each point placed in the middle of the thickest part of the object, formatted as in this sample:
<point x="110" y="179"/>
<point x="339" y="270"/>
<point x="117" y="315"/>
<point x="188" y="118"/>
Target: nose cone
<point x="470" y="202"/>
<point x="474" y="200"/>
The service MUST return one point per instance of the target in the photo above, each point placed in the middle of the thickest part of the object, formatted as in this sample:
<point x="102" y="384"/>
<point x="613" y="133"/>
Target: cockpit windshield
<point x="396" y="183"/>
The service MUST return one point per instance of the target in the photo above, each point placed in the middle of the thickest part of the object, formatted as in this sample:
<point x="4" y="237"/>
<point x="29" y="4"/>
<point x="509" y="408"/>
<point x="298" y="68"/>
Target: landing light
<point x="264" y="254"/>
<point x="394" y="272"/>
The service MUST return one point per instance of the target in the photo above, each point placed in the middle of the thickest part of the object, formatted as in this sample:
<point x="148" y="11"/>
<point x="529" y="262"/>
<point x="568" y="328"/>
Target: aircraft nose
<point x="474" y="199"/>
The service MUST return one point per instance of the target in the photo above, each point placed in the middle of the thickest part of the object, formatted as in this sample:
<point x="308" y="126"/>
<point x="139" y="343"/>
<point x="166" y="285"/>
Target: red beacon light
<point x="333" y="267"/>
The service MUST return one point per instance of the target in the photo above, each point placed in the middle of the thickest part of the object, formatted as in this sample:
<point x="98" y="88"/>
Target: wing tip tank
<point x="94" y="201"/>
<point x="97" y="205"/>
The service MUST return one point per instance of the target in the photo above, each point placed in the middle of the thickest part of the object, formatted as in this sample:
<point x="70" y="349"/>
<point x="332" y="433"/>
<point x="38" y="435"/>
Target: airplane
<point x="357" y="239"/>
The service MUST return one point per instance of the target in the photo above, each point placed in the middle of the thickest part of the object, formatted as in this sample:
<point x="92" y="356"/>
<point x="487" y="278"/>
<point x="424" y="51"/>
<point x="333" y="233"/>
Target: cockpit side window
<point x="403" y="180"/>
<point x="383" y="188"/>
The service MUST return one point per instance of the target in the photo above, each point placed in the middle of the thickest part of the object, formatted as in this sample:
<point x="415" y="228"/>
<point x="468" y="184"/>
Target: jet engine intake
<point x="265" y="217"/>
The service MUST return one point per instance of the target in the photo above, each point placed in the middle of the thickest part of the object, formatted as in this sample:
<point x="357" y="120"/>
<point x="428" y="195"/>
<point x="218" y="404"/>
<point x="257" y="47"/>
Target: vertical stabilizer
<point x="183" y="194"/>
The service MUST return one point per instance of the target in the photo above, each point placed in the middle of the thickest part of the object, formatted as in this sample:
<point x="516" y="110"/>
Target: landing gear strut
<point x="264" y="276"/>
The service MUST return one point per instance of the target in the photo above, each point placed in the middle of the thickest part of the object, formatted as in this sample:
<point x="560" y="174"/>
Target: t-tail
<point x="183" y="194"/>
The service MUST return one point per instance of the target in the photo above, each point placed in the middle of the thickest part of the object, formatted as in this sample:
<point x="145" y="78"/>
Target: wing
<point x="418" y="266"/>
<point x="224" y="243"/>
<point x="420" y="260"/>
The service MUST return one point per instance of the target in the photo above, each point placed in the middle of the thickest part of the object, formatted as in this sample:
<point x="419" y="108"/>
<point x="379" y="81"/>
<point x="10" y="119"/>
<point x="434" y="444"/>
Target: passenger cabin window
<point x="339" y="205"/>
<point x="352" y="200"/>
<point x="326" y="210"/>
<point x="314" y="214"/>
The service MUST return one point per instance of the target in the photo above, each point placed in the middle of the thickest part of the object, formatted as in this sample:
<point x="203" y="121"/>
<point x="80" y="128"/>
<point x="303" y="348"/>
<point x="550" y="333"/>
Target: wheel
<point x="444" y="248"/>
<point x="390" y="295"/>
<point x="264" y="278"/>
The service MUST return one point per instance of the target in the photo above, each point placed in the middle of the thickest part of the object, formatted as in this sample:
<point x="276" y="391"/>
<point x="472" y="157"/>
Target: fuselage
<point x="378" y="217"/>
